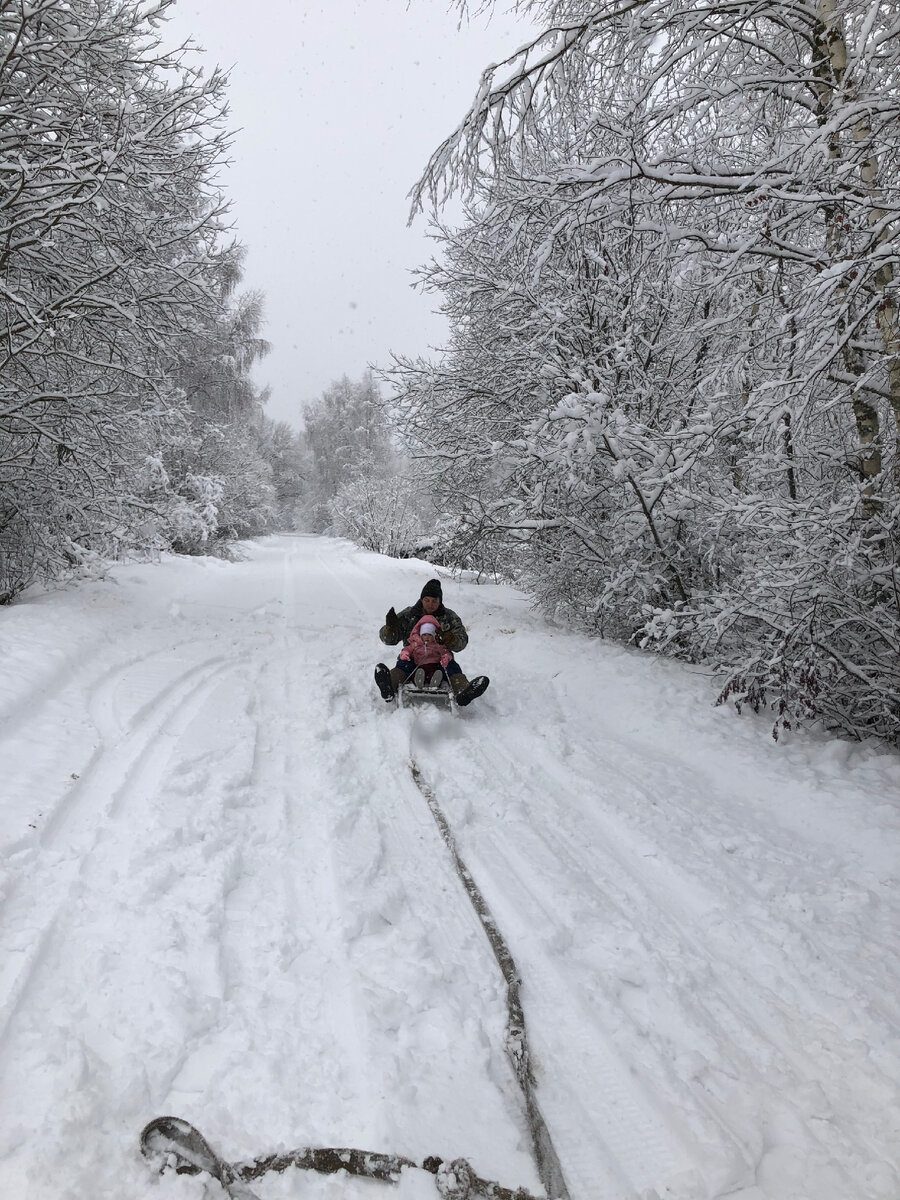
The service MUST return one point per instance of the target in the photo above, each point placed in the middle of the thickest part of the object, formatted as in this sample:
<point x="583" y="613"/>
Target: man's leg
<point x="390" y="681"/>
<point x="465" y="691"/>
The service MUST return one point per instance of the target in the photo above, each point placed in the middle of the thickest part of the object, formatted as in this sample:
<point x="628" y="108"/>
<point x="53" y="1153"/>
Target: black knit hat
<point x="432" y="588"/>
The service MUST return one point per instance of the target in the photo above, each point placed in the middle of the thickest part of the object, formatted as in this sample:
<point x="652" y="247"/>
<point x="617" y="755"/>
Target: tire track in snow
<point x="310" y="921"/>
<point x="623" y="1143"/>
<point x="756" y="845"/>
<point x="635" y="1149"/>
<point x="620" y="1140"/>
<point x="130" y="970"/>
<point x="68" y="685"/>
<point x="125" y="757"/>
<point x="725" y="827"/>
<point x="430" y="996"/>
<point x="74" y="728"/>
<point x="279" y="926"/>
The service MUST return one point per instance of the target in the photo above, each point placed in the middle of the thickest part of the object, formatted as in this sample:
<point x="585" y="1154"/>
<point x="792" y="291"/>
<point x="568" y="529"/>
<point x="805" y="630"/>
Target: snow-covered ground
<point x="224" y="898"/>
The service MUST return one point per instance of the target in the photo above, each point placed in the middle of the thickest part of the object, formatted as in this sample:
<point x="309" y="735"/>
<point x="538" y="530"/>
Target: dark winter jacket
<point x="453" y="632"/>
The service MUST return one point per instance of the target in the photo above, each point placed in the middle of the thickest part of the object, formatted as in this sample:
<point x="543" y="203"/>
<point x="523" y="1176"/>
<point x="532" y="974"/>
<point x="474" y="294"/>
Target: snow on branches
<point x="114" y="258"/>
<point x="671" y="399"/>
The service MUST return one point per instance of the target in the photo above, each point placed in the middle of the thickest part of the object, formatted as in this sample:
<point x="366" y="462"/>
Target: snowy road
<point x="224" y="897"/>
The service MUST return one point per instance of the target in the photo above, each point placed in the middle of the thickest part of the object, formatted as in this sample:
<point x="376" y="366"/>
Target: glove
<point x="391" y="623"/>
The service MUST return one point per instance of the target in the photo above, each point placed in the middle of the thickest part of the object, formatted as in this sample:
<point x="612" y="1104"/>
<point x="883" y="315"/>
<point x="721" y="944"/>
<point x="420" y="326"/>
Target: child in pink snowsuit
<point x="424" y="648"/>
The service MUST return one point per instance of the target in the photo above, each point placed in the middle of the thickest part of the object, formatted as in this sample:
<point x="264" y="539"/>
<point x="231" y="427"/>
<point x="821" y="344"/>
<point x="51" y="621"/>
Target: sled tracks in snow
<point x="170" y="1142"/>
<point x="545" y="1155"/>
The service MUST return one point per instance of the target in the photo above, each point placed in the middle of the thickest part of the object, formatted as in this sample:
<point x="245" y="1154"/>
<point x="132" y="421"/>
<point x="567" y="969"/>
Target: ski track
<point x="610" y="1138"/>
<point x="223" y="897"/>
<point x="72" y="832"/>
<point x="412" y="935"/>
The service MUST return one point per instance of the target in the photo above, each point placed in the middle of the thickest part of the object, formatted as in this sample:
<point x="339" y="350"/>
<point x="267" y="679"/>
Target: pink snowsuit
<point x="422" y="653"/>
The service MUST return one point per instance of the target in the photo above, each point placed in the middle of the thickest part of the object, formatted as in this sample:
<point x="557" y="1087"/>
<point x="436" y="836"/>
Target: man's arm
<point x="390" y="631"/>
<point x="396" y="626"/>
<point x="453" y="632"/>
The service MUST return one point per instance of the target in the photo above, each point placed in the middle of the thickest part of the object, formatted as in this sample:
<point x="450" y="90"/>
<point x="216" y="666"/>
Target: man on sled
<point x="430" y="634"/>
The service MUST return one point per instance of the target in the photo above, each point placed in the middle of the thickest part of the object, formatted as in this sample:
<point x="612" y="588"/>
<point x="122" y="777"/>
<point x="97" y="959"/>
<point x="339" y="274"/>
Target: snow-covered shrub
<point x="817" y="636"/>
<point x="19" y="554"/>
<point x="381" y="514"/>
<point x="192" y="517"/>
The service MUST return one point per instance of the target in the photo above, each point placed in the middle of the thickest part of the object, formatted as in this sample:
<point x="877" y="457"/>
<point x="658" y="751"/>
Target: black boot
<point x="383" y="679"/>
<point x="471" y="690"/>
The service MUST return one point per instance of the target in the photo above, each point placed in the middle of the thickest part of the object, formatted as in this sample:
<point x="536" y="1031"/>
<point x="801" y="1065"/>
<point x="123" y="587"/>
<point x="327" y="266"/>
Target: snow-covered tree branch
<point x="114" y="269"/>
<point x="670" y="398"/>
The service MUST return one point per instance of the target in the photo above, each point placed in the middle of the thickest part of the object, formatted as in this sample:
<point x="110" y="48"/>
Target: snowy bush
<point x="380" y="514"/>
<point x="193" y="517"/>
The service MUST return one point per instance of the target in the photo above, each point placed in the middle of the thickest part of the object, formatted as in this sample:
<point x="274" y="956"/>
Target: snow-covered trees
<point x="355" y="485"/>
<point x="346" y="436"/>
<point x="379" y="512"/>
<point x="282" y="448"/>
<point x="214" y="354"/>
<point x="113" y="257"/>
<point x="670" y="399"/>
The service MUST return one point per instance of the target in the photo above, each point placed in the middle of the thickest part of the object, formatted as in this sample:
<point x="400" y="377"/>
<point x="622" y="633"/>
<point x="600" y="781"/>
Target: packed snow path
<point x="225" y="898"/>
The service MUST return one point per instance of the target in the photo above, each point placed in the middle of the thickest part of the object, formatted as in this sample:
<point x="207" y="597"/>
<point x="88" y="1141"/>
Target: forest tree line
<point x="669" y="403"/>
<point x="670" y="400"/>
<point x="128" y="417"/>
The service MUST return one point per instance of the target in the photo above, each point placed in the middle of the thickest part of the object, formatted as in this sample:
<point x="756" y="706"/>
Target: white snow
<point x="224" y="898"/>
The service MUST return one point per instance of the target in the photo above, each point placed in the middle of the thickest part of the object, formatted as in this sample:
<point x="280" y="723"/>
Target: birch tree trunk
<point x="830" y="70"/>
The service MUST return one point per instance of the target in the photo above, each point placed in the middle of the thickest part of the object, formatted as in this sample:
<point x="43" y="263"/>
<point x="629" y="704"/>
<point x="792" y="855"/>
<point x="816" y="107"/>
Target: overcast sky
<point x="339" y="105"/>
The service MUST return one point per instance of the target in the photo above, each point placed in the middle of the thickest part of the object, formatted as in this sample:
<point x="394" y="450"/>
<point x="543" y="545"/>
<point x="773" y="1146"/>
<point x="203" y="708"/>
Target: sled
<point x="424" y="685"/>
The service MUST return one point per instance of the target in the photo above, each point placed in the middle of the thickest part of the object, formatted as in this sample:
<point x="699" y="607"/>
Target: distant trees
<point x="356" y="485"/>
<point x="670" y="403"/>
<point x="124" y="357"/>
<point x="346" y="436"/>
<point x="281" y="447"/>
<point x="380" y="512"/>
<point x="218" y="449"/>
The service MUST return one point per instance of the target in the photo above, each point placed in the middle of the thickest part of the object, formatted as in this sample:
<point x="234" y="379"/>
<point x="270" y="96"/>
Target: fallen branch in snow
<point x="170" y="1142"/>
